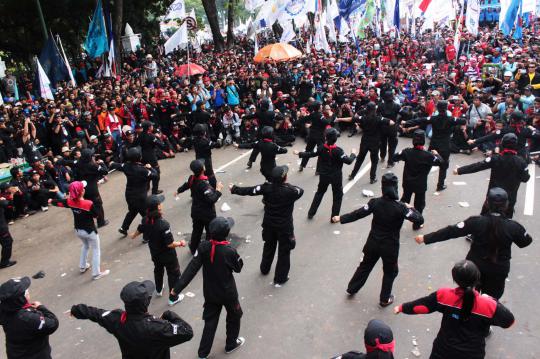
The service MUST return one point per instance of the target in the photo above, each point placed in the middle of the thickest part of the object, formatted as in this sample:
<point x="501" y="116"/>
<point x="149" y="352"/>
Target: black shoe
<point x="159" y="191"/>
<point x="310" y="216"/>
<point x="372" y="181"/>
<point x="239" y="342"/>
<point x="441" y="188"/>
<point x="469" y="238"/>
<point x="382" y="160"/>
<point x="8" y="264"/>
<point x="352" y="134"/>
<point x="106" y="222"/>
<point x="390" y="165"/>
<point x="122" y="231"/>
<point x="316" y="173"/>
<point x="350" y="294"/>
<point x="248" y="165"/>
<point x="351" y="176"/>
<point x="300" y="169"/>
<point x="388" y="302"/>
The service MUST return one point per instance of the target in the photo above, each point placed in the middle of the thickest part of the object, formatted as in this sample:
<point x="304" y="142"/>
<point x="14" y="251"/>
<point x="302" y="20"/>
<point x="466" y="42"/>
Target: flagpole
<point x="66" y="60"/>
<point x="42" y="20"/>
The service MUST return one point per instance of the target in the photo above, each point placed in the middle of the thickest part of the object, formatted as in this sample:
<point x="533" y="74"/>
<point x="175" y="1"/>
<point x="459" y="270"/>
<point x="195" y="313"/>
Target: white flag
<point x="67" y="62"/>
<point x="332" y="36"/>
<point x="473" y="16"/>
<point x="308" y="46"/>
<point x="256" y="44"/>
<point x="44" y="83"/>
<point x="177" y="10"/>
<point x="251" y="5"/>
<point x="1" y="99"/>
<point x="288" y="32"/>
<point x="320" y="41"/>
<point x="110" y="68"/>
<point x="178" y="39"/>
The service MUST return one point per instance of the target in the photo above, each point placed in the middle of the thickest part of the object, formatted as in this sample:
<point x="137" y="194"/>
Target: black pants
<point x="211" y="315"/>
<point x="98" y="205"/>
<point x="209" y="171"/>
<point x="312" y="143"/>
<point x="172" y="267"/>
<point x="492" y="278"/>
<point x="155" y="180"/>
<point x="390" y="142"/>
<point x="273" y="237"/>
<point x="372" y="253"/>
<point x="7" y="244"/>
<point x="373" y="154"/>
<point x="443" y="167"/>
<point x="196" y="233"/>
<point x="135" y="206"/>
<point x="419" y="198"/>
<point x="337" y="192"/>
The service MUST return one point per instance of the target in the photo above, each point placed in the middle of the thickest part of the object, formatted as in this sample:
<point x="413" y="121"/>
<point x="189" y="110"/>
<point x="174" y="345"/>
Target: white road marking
<point x="434" y="169"/>
<point x="529" y="192"/>
<point x="359" y="175"/>
<point x="234" y="161"/>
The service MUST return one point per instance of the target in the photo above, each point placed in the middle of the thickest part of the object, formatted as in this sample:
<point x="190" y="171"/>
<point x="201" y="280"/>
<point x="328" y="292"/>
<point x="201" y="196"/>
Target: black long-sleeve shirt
<point x="418" y="163"/>
<point x="204" y="197"/>
<point x="332" y="159"/>
<point x="138" y="177"/>
<point x="268" y="150"/>
<point x="140" y="336"/>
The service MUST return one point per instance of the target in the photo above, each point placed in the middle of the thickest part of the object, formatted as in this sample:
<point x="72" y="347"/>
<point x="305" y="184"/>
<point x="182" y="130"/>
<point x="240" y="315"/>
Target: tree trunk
<point x="117" y="29"/>
<point x="211" y="13"/>
<point x="230" y="24"/>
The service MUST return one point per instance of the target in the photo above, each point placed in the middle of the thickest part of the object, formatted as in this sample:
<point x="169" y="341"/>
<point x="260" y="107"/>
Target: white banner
<point x="44" y="83"/>
<point x="473" y="16"/>
<point x="179" y="39"/>
<point x="177" y="10"/>
<point x="288" y="32"/>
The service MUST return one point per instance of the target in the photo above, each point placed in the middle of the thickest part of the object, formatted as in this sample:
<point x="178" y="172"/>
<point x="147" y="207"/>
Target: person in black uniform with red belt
<point x="219" y="260"/>
<point x="149" y="142"/>
<point x="331" y="160"/>
<point x="139" y="334"/>
<point x="27" y="325"/>
<point x="268" y="150"/>
<point x="138" y="178"/>
<point x="157" y="233"/>
<point x="508" y="170"/>
<point x="418" y="163"/>
<point x="383" y="239"/>
<point x="493" y="235"/>
<point x="203" y="151"/>
<point x="379" y="342"/>
<point x="278" y="228"/>
<point x="467" y="315"/>
<point x="203" y="206"/>
<point x="317" y="124"/>
<point x="388" y="109"/>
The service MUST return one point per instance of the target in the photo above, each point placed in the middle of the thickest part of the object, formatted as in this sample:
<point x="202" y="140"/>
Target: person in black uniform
<point x="27" y="325"/>
<point x="219" y="260"/>
<point x="139" y="334"/>
<point x="138" y="178"/>
<point x="268" y="150"/>
<point x="203" y="151"/>
<point x="418" y="163"/>
<point x="508" y="170"/>
<point x="157" y="233"/>
<point x="493" y="235"/>
<point x="91" y="171"/>
<point x="443" y="126"/>
<point x="388" y="109"/>
<point x="383" y="239"/>
<point x="331" y="160"/>
<point x="317" y="124"/>
<point x="128" y="143"/>
<point x="371" y="124"/>
<point x="6" y="241"/>
<point x="201" y="117"/>
<point x="467" y="315"/>
<point x="278" y="227"/>
<point x="379" y="342"/>
<point x="203" y="206"/>
<point x="265" y="118"/>
<point x="149" y="142"/>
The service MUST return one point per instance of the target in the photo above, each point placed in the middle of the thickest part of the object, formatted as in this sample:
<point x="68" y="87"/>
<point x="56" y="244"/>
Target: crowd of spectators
<point x="492" y="81"/>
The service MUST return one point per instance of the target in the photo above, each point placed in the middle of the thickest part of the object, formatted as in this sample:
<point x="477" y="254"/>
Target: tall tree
<point x="230" y="24"/>
<point x="117" y="26"/>
<point x="211" y="13"/>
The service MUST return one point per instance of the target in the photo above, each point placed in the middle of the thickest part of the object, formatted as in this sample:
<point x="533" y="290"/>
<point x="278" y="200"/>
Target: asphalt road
<point x="309" y="317"/>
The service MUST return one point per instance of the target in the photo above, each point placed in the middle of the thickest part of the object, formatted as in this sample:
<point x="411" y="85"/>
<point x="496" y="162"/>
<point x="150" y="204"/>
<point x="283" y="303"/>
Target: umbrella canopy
<point x="189" y="70"/>
<point x="277" y="52"/>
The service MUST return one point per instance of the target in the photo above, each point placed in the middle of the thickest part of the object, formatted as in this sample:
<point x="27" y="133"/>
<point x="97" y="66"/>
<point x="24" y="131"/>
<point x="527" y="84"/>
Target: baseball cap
<point x="137" y="291"/>
<point x="154" y="200"/>
<point x="220" y="227"/>
<point x="14" y="287"/>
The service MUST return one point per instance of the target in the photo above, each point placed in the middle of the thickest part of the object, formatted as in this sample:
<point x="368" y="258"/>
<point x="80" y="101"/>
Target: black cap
<point x="14" y="287"/>
<point x="389" y="179"/>
<point x="267" y="132"/>
<point x="198" y="129"/>
<point x="196" y="166"/>
<point x="279" y="173"/>
<point x="377" y="332"/>
<point x="220" y="227"/>
<point x="153" y="201"/>
<point x="134" y="292"/>
<point x="497" y="196"/>
<point x="133" y="154"/>
<point x="509" y="141"/>
<point x="419" y="138"/>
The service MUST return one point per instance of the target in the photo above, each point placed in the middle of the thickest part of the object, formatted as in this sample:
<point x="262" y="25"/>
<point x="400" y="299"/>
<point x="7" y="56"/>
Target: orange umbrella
<point x="189" y="70"/>
<point x="277" y="52"/>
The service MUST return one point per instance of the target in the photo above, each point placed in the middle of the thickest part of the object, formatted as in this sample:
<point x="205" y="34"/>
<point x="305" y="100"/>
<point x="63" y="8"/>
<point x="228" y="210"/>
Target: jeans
<point x="90" y="240"/>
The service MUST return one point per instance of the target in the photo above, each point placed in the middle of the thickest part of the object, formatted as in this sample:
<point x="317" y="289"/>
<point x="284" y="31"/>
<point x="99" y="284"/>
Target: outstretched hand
<point x="419" y="239"/>
<point x="336" y="219"/>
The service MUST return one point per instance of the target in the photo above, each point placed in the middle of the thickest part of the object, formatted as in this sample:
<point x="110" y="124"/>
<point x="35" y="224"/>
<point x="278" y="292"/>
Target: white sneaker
<point x="239" y="342"/>
<point x="180" y="298"/>
<point x="101" y="275"/>
<point x="158" y="294"/>
<point x="44" y="209"/>
<point x="83" y="270"/>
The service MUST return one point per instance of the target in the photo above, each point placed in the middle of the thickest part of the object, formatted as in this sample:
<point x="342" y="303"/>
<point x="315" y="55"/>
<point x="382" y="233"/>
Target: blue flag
<point x="96" y="40"/>
<point x="347" y="7"/>
<point x="396" y="17"/>
<point x="518" y="33"/>
<point x="510" y="17"/>
<point x="53" y="63"/>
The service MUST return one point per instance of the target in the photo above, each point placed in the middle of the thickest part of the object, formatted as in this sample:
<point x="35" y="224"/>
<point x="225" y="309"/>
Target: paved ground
<point x="310" y="317"/>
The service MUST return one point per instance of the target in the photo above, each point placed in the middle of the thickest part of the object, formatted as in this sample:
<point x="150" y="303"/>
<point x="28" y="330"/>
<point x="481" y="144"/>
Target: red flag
<point x="424" y="5"/>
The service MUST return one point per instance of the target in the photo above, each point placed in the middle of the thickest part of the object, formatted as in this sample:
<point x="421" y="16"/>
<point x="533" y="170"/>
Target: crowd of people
<point x="484" y="97"/>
